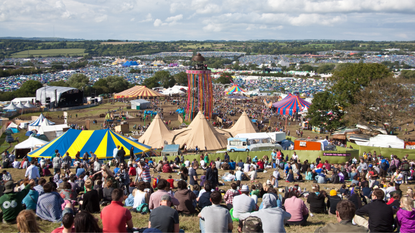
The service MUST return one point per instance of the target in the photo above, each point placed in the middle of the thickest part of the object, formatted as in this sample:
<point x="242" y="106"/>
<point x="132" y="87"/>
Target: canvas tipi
<point x="202" y="134"/>
<point x="156" y="134"/>
<point x="243" y="125"/>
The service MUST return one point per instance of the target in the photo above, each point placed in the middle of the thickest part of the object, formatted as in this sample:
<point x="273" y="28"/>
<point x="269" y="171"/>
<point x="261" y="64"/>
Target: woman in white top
<point x="141" y="196"/>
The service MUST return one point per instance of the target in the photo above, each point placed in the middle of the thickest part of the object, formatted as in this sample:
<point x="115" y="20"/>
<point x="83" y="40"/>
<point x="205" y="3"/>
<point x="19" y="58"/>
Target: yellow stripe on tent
<point x="135" y="144"/>
<point x="101" y="151"/>
<point x="41" y="150"/>
<point x="118" y="143"/>
<point x="79" y="143"/>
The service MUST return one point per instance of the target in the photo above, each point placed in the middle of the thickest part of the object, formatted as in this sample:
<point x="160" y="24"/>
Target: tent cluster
<point x="15" y="107"/>
<point x="199" y="133"/>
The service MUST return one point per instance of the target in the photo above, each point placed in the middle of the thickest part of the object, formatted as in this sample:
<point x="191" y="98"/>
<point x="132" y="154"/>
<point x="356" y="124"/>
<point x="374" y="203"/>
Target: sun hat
<point x="8" y="187"/>
<point x="245" y="188"/>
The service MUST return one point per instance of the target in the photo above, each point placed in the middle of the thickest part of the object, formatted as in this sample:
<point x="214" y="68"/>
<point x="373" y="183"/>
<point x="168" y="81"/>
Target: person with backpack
<point x="405" y="170"/>
<point x="384" y="166"/>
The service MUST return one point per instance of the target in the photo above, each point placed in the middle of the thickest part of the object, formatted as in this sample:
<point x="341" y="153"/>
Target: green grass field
<point x="49" y="52"/>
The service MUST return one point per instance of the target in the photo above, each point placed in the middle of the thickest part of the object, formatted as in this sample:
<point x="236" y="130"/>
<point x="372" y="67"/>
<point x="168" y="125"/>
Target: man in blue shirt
<point x="383" y="168"/>
<point x="232" y="165"/>
<point x="116" y="169"/>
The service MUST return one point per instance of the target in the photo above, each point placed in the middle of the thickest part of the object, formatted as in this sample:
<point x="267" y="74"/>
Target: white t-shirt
<point x="187" y="163"/>
<point x="202" y="163"/>
<point x="246" y="167"/>
<point x="295" y="157"/>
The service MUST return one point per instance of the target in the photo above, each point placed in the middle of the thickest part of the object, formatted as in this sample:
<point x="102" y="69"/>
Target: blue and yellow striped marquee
<point x="101" y="142"/>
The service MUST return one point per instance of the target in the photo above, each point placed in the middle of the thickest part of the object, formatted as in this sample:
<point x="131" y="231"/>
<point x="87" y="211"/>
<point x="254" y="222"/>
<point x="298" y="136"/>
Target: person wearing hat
<point x="215" y="218"/>
<point x="10" y="202"/>
<point x="243" y="203"/>
<point x="317" y="199"/>
<point x="272" y="217"/>
<point x="332" y="201"/>
<point x="164" y="218"/>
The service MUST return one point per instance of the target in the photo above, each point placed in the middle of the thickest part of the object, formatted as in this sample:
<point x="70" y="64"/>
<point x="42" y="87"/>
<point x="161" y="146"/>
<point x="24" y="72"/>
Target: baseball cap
<point x="268" y="182"/>
<point x="166" y="197"/>
<point x="252" y="224"/>
<point x="8" y="187"/>
<point x="245" y="188"/>
<point x="370" y="165"/>
<point x="333" y="192"/>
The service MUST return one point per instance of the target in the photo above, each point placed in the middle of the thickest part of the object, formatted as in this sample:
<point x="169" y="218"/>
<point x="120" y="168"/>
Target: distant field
<point x="49" y="52"/>
<point x="121" y="43"/>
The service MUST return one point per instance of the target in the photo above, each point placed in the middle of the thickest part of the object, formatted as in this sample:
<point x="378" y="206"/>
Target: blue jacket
<point x="31" y="200"/>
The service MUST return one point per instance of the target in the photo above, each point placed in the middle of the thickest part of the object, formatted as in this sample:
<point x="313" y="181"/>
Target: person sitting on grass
<point x="10" y="202"/>
<point x="115" y="217"/>
<point x="26" y="222"/>
<point x="215" y="218"/>
<point x="380" y="215"/>
<point x="49" y="204"/>
<point x="186" y="198"/>
<point x="164" y="218"/>
<point x="316" y="199"/>
<point x="345" y="211"/>
<point x="271" y="215"/>
<point x="297" y="208"/>
<point x="243" y="203"/>
<point x="90" y="202"/>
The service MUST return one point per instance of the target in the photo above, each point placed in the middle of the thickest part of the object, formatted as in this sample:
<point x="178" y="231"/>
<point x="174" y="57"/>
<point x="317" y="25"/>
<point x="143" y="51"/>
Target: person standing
<point x="121" y="155"/>
<point x="115" y="153"/>
<point x="66" y="161"/>
<point x="57" y="162"/>
<point x="132" y="152"/>
<point x="193" y="175"/>
<point x="212" y="175"/>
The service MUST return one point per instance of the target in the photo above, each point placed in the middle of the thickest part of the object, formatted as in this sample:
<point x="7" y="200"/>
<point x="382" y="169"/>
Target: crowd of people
<point x="73" y="191"/>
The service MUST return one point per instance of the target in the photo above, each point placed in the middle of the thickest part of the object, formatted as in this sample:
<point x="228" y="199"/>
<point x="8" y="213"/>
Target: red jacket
<point x="132" y="171"/>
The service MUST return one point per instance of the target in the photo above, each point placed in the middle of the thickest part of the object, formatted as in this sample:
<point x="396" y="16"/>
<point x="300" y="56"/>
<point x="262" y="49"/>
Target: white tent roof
<point x="20" y="105"/>
<point x="53" y="92"/>
<point x="12" y="125"/>
<point x="29" y="105"/>
<point x="11" y="107"/>
<point x="49" y="128"/>
<point x="385" y="141"/>
<point x="30" y="143"/>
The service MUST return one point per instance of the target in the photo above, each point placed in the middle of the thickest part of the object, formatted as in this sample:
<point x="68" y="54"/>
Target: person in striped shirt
<point x="229" y="195"/>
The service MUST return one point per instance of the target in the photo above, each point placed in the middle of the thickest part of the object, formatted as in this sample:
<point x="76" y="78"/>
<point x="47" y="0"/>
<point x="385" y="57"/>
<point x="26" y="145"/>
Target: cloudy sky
<point x="209" y="19"/>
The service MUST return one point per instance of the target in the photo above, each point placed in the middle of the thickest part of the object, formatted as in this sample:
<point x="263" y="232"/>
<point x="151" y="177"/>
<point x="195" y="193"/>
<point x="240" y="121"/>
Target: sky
<point x="378" y="20"/>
